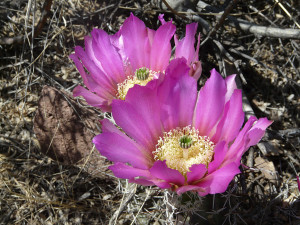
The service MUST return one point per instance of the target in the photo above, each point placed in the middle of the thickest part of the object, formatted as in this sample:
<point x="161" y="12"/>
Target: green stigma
<point x="142" y="73"/>
<point x="185" y="141"/>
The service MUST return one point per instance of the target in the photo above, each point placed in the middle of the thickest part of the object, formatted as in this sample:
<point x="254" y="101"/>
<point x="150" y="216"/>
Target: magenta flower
<point x="112" y="64"/>
<point x="174" y="137"/>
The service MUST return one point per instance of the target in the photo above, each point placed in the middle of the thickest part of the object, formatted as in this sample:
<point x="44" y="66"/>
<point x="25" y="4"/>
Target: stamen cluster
<point x="142" y="77"/>
<point x="184" y="147"/>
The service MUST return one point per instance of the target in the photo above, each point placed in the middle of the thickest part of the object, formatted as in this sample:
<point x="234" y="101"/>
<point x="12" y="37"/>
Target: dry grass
<point x="34" y="189"/>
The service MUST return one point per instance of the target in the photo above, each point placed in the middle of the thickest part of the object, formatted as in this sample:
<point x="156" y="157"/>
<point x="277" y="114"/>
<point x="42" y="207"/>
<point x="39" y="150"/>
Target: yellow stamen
<point x="142" y="77"/>
<point x="184" y="147"/>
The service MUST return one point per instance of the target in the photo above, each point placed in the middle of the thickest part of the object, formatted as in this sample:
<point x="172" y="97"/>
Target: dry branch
<point x="221" y="21"/>
<point x="254" y="28"/>
<point x="264" y="30"/>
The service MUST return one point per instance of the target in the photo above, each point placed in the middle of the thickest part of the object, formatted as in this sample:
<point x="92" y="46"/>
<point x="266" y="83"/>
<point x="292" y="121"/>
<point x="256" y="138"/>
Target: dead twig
<point x="125" y="200"/>
<point x="265" y="31"/>
<point x="254" y="28"/>
<point x="213" y="31"/>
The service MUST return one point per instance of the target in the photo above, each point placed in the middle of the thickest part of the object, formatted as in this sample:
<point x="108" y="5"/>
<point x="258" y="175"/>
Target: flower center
<point x="141" y="77"/>
<point x="184" y="147"/>
<point x="142" y="73"/>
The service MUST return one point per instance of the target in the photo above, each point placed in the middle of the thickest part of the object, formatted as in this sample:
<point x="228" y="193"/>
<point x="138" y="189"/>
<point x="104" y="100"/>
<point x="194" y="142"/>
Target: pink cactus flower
<point x="176" y="138"/>
<point x="112" y="64"/>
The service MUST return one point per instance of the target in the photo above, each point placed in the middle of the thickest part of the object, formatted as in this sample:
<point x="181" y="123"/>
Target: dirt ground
<point x="51" y="174"/>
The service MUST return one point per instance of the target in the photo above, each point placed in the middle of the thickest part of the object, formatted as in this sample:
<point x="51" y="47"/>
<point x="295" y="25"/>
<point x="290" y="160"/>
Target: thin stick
<point x="254" y="28"/>
<point x="221" y="20"/>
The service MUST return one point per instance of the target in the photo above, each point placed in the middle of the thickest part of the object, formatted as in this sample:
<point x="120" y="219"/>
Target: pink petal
<point x="177" y="68"/>
<point x="124" y="171"/>
<point x="161" y="184"/>
<point x="185" y="47"/>
<point x="136" y="43"/>
<point x="117" y="40"/>
<point x="107" y="126"/>
<point x="161" y="171"/>
<point x="95" y="72"/>
<point x="107" y="54"/>
<point x="80" y="68"/>
<point x="161" y="47"/>
<point x="103" y="90"/>
<point x="218" y="181"/>
<point x="232" y="119"/>
<point x="197" y="171"/>
<point x="89" y="50"/>
<point x="196" y="70"/>
<point x="186" y="188"/>
<point x="91" y="99"/>
<point x="248" y="136"/>
<point x="219" y="155"/>
<point x="239" y="142"/>
<point x="231" y="86"/>
<point x="202" y="192"/>
<point x="133" y="123"/>
<point x="258" y="131"/>
<point x="151" y="34"/>
<point x="210" y="103"/>
<point x="141" y="181"/>
<point x="161" y="19"/>
<point x="144" y="100"/>
<point x="178" y="95"/>
<point x="118" y="148"/>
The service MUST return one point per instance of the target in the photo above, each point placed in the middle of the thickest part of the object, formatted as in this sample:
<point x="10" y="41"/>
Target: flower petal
<point x="91" y="98"/>
<point x="219" y="155"/>
<point x="196" y="70"/>
<point x="144" y="100"/>
<point x="231" y="86"/>
<point x="186" y="188"/>
<point x="80" y="68"/>
<point x="185" y="47"/>
<point x="141" y="181"/>
<point x="239" y="142"/>
<point x="107" y="126"/>
<point x="210" y="103"/>
<point x="177" y="68"/>
<point x="117" y="40"/>
<point x="124" y="171"/>
<point x="232" y="119"/>
<point x="103" y="90"/>
<point x="218" y="181"/>
<point x="258" y="131"/>
<point x="248" y="136"/>
<point x="89" y="50"/>
<point x="161" y="171"/>
<point x="102" y="81"/>
<point x="161" y="19"/>
<point x="161" y="184"/>
<point x="177" y="93"/>
<point x="161" y="47"/>
<point x="108" y="55"/>
<point x="133" y="123"/>
<point x="136" y="42"/>
<point x="197" y="171"/>
<point x="118" y="148"/>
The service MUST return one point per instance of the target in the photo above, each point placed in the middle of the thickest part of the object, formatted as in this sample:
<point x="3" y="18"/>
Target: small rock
<point x="65" y="131"/>
<point x="267" y="168"/>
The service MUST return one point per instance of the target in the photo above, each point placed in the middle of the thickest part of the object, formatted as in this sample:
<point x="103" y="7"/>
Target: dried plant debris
<point x="51" y="174"/>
